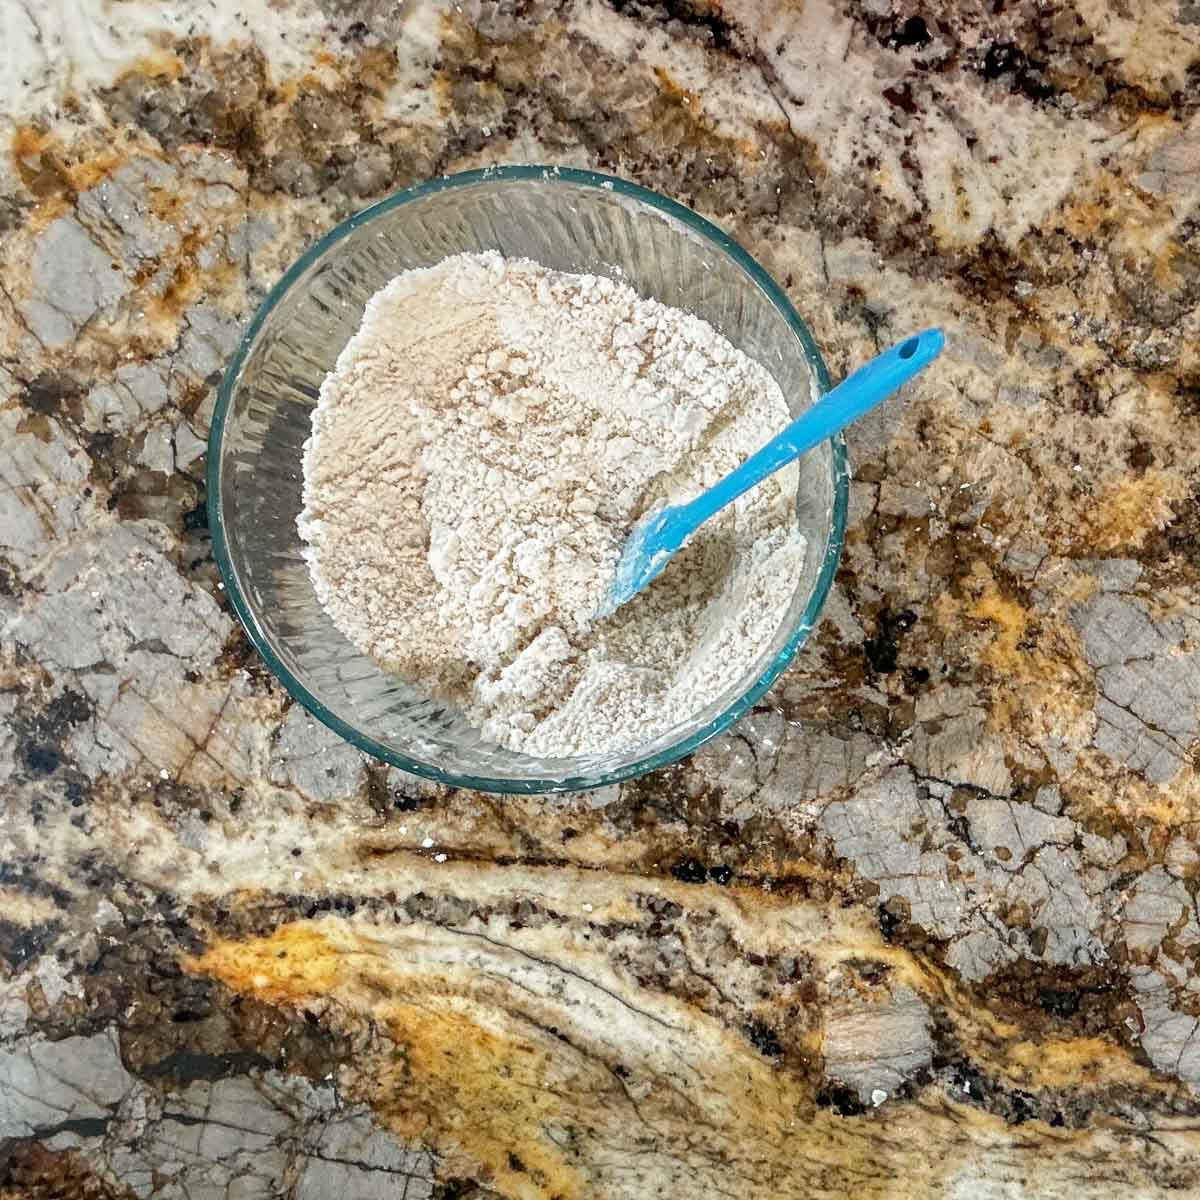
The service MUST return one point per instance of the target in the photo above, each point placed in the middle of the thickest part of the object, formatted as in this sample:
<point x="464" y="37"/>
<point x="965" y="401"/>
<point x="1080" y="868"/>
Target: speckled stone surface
<point x="923" y="925"/>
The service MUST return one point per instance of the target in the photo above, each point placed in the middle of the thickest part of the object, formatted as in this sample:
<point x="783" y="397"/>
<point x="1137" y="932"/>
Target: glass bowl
<point x="570" y="220"/>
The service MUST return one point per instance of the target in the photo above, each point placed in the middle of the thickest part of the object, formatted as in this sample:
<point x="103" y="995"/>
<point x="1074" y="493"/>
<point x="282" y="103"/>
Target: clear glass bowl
<point x="575" y="221"/>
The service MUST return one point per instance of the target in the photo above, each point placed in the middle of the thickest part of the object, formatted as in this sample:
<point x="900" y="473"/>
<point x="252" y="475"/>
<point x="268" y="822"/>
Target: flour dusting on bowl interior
<point x="480" y="452"/>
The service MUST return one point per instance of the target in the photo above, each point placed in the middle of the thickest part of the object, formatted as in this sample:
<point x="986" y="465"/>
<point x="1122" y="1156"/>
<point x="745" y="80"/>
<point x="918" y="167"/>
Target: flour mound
<point x="478" y="456"/>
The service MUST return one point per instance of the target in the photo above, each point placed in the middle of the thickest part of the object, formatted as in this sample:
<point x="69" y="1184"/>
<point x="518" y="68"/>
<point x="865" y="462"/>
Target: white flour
<point x="480" y="452"/>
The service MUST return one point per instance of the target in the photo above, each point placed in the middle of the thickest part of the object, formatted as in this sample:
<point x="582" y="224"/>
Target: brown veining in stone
<point x="1129" y="511"/>
<point x="523" y="1082"/>
<point x="53" y="175"/>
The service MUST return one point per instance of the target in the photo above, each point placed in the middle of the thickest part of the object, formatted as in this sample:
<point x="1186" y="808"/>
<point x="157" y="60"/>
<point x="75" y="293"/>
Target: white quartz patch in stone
<point x="227" y="1139"/>
<point x="119" y="592"/>
<point x="85" y="44"/>
<point x="73" y="279"/>
<point x="311" y="758"/>
<point x="47" y="1084"/>
<point x="188" y="447"/>
<point x="41" y="482"/>
<point x="1171" y="1038"/>
<point x="135" y="391"/>
<point x="119" y="208"/>
<point x="901" y="836"/>
<point x="874" y="1046"/>
<point x="354" y="1157"/>
<point x="1172" y="169"/>
<point x="158" y="451"/>
<point x="1147" y="679"/>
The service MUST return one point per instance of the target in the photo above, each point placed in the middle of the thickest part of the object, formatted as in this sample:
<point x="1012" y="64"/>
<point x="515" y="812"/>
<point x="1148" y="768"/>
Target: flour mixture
<point x="478" y="456"/>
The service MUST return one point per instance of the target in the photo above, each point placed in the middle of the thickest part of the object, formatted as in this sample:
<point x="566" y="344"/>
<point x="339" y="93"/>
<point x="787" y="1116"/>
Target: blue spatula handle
<point x="854" y="396"/>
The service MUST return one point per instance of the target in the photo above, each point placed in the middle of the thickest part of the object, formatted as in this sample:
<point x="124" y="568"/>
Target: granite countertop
<point x="924" y="924"/>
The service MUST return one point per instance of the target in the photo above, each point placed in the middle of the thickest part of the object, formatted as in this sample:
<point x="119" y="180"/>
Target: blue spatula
<point x="659" y="534"/>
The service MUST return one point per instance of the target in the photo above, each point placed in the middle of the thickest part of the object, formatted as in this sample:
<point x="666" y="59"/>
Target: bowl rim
<point x="514" y="175"/>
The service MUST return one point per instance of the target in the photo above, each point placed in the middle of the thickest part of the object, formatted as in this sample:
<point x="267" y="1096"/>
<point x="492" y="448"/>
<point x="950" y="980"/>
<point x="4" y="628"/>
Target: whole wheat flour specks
<point x="478" y="456"/>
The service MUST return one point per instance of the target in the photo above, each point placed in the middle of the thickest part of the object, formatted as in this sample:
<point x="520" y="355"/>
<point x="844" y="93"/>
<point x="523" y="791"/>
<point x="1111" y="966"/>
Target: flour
<point x="479" y="454"/>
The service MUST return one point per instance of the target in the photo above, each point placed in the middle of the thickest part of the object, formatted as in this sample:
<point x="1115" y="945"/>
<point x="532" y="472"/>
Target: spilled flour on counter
<point x="478" y="456"/>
